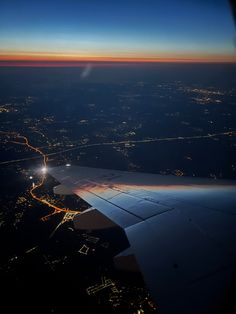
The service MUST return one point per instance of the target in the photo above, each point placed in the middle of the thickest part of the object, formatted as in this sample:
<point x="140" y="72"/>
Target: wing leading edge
<point x="181" y="230"/>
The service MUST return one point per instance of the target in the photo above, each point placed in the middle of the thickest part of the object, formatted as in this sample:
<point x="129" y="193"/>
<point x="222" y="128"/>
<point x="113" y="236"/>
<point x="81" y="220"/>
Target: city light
<point x="44" y="170"/>
<point x="68" y="165"/>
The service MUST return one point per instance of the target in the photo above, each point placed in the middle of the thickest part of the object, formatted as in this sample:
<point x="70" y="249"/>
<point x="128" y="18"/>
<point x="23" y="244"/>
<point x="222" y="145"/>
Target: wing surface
<point x="181" y="230"/>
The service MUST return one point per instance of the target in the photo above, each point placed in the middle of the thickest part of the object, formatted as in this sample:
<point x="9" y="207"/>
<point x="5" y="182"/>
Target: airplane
<point x="181" y="230"/>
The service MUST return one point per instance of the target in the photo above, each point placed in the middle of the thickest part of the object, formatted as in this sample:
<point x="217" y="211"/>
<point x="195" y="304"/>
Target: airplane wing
<point x="181" y="230"/>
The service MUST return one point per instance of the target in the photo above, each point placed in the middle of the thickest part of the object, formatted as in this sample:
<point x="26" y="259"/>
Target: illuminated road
<point x="151" y="140"/>
<point x="16" y="138"/>
<point x="127" y="142"/>
<point x="43" y="176"/>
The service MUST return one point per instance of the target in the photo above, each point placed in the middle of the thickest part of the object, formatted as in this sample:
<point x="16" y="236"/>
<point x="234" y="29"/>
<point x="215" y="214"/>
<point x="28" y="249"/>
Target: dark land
<point x="167" y="118"/>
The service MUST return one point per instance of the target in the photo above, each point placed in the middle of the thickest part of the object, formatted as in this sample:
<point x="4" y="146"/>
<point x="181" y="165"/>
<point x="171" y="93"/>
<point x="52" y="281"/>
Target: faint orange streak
<point x="50" y="59"/>
<point x="43" y="177"/>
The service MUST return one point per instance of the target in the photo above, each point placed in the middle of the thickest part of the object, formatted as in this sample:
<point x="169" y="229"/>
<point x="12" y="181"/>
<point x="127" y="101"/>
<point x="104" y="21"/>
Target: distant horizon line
<point x="81" y="63"/>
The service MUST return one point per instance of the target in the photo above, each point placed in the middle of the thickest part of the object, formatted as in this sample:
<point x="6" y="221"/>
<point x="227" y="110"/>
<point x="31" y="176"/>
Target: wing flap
<point x="113" y="212"/>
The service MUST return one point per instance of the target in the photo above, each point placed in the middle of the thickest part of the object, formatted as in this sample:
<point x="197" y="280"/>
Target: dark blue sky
<point x="117" y="28"/>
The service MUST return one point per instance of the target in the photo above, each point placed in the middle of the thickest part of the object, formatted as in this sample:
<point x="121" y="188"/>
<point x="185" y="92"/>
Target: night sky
<point x="149" y="30"/>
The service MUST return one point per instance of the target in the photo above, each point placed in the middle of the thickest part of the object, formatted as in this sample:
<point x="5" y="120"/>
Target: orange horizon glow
<point x="60" y="60"/>
<point x="62" y="33"/>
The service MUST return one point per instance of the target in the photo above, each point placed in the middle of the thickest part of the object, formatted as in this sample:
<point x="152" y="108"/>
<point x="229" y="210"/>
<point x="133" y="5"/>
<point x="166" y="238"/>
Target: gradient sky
<point x="116" y="30"/>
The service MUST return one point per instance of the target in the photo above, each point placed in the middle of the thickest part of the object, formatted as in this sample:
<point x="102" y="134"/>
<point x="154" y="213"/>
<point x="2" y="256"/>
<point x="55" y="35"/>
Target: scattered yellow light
<point x="35" y="186"/>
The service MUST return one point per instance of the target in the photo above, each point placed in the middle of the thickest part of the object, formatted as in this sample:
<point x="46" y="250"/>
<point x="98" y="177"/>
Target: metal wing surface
<point x="181" y="230"/>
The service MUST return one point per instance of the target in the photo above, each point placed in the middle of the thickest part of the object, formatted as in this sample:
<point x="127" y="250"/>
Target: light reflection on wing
<point x="181" y="230"/>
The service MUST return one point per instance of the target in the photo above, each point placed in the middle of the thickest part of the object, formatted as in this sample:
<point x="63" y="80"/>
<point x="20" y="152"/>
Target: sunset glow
<point x="66" y="33"/>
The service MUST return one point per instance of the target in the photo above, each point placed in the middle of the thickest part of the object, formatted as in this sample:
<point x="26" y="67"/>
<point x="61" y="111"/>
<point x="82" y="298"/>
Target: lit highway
<point x="116" y="143"/>
<point x="36" y="186"/>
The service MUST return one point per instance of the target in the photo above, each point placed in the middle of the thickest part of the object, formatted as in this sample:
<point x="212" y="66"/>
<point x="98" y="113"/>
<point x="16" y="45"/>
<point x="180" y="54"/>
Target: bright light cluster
<point x="44" y="170"/>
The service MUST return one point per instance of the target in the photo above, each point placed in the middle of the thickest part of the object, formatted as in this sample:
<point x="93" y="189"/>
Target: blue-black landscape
<point x="131" y="86"/>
